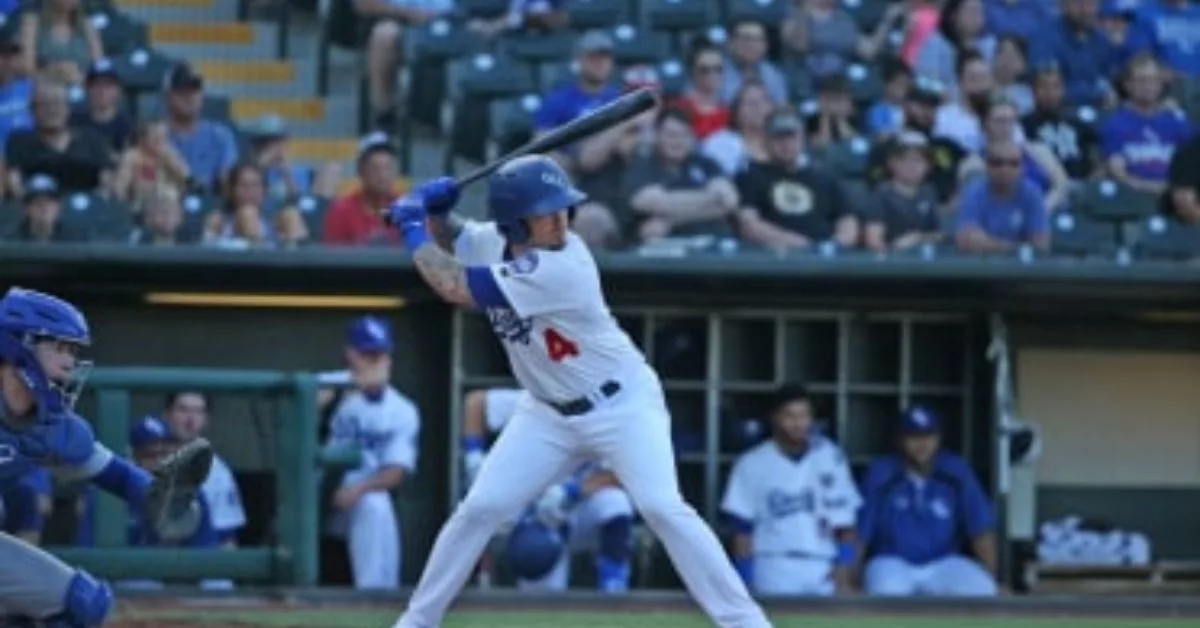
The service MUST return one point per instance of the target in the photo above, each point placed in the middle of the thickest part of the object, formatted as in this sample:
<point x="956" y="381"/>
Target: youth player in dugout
<point x="792" y="504"/>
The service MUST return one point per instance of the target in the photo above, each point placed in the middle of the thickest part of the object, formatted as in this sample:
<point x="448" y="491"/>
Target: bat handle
<point x="475" y="175"/>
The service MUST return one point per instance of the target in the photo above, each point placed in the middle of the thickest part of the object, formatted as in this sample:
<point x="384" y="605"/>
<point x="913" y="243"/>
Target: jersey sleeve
<point x="537" y="282"/>
<point x="738" y="501"/>
<point x="977" y="508"/>
<point x="88" y="467"/>
<point x="220" y="490"/>
<point x="400" y="447"/>
<point x="841" y="500"/>
<point x="499" y="406"/>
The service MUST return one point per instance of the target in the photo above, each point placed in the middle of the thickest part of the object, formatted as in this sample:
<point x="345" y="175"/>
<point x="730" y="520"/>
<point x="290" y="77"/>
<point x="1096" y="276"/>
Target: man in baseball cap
<point x="103" y="113"/>
<point x="368" y="352"/>
<point x="208" y="146"/>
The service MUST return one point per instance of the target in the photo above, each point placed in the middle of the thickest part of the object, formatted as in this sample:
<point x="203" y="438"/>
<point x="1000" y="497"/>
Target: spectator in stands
<point x="1020" y="19"/>
<point x="904" y="209"/>
<point x="1039" y="166"/>
<point x="1072" y="138"/>
<point x="744" y="140"/>
<point x="1010" y="69"/>
<point x="161" y="217"/>
<point x="26" y="505"/>
<point x="1183" y="198"/>
<point x="827" y="38"/>
<point x="186" y="413"/>
<point x="748" y="60"/>
<point x="1118" y="22"/>
<point x="676" y="191"/>
<point x="42" y="222"/>
<point x="16" y="91"/>
<point x="77" y="159"/>
<point x="1001" y="211"/>
<point x="601" y="164"/>
<point x="538" y="15"/>
<point x="833" y="118"/>
<point x="945" y="155"/>
<point x="208" y="146"/>
<point x="921" y="24"/>
<point x="150" y="163"/>
<point x="961" y="30"/>
<point x="291" y="231"/>
<point x="886" y="116"/>
<point x="921" y="507"/>
<point x="702" y="100"/>
<point x="1171" y="30"/>
<point x="354" y="219"/>
<point x="786" y="203"/>
<point x="385" y="48"/>
<point x="594" y="85"/>
<point x="1084" y="54"/>
<point x="102" y="111"/>
<point x="961" y="119"/>
<point x="269" y="137"/>
<point x="241" y="221"/>
<point x="59" y="40"/>
<point x="1140" y="136"/>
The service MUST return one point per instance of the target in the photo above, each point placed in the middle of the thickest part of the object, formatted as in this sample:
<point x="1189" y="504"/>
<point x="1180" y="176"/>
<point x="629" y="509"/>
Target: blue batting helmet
<point x="28" y="317"/>
<point x="533" y="549"/>
<point x="527" y="187"/>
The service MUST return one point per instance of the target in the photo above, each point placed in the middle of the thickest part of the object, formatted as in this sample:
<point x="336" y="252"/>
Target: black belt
<point x="584" y="405"/>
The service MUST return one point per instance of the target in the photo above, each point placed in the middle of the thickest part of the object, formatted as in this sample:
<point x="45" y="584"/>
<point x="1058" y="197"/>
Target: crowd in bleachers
<point x="977" y="125"/>
<point x="980" y="125"/>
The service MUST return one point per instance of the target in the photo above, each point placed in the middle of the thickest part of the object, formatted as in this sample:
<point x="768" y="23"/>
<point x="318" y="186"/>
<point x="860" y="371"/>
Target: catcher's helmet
<point x="533" y="549"/>
<point x="527" y="187"/>
<point x="27" y="317"/>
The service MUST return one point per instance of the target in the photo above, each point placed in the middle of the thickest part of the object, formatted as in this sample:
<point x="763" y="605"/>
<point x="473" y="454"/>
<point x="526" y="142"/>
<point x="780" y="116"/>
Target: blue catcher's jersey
<point x="66" y="443"/>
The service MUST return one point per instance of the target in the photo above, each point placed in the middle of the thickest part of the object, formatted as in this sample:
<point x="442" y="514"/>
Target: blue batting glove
<point x="408" y="213"/>
<point x="440" y="194"/>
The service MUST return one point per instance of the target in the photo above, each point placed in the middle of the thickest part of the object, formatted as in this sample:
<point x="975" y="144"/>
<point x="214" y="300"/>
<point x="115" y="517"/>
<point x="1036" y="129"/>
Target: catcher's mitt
<point x="172" y="508"/>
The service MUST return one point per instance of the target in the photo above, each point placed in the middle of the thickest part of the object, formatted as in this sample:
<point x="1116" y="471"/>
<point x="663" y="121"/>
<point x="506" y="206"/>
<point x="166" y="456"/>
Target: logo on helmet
<point x="550" y="178"/>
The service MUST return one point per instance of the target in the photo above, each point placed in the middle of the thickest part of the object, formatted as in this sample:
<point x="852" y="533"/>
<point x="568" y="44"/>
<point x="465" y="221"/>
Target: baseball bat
<point x="620" y="110"/>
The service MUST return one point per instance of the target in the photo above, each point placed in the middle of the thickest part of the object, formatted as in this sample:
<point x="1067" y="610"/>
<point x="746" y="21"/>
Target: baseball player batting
<point x="793" y="504"/>
<point x="589" y="391"/>
<point x="40" y="378"/>
<point x="589" y="510"/>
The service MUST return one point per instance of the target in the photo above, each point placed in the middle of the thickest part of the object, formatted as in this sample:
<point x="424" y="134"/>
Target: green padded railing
<point x="294" y="560"/>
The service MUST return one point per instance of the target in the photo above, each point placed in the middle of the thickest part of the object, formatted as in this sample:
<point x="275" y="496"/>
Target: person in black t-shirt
<point x="676" y="191"/>
<point x="42" y="222"/>
<point x="789" y="206"/>
<point x="1182" y="200"/>
<point x="77" y="159"/>
<point x="102" y="112"/>
<point x="1068" y="133"/>
<point x="904" y="209"/>
<point x="945" y="155"/>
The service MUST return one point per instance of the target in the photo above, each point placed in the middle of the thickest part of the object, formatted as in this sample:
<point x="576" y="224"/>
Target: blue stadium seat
<point x="847" y="159"/>
<point x="142" y="69"/>
<point x="672" y="76"/>
<point x="195" y="208"/>
<point x="551" y="75"/>
<point x="539" y="48"/>
<point x="119" y="33"/>
<point x="474" y="84"/>
<point x="481" y="8"/>
<point x="103" y="219"/>
<point x="634" y="45"/>
<point x="765" y="11"/>
<point x="511" y="122"/>
<point x="313" y="209"/>
<point x="866" y="85"/>
<point x="1080" y="236"/>
<point x="588" y="14"/>
<point x="440" y="41"/>
<point x="679" y="15"/>
<point x="1160" y="238"/>
<point x="11" y="214"/>
<point x="1108" y="199"/>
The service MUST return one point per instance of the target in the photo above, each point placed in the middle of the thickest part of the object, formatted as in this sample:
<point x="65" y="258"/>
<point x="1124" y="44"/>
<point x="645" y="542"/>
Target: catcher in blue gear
<point x="41" y="376"/>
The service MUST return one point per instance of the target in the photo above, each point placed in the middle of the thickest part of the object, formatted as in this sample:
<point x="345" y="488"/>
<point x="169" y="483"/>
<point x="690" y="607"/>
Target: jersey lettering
<point x="558" y="347"/>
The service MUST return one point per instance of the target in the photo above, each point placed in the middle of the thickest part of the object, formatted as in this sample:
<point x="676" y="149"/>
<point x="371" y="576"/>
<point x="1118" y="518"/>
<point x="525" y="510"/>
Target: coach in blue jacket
<point x="922" y="508"/>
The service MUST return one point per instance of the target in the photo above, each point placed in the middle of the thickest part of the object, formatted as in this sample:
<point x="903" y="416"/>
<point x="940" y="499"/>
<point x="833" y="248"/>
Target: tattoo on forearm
<point x="443" y="273"/>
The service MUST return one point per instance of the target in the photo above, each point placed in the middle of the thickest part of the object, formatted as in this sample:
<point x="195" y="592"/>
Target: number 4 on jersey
<point x="559" y="347"/>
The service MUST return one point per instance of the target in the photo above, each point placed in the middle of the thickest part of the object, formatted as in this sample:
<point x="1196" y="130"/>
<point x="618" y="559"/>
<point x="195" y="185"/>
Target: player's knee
<point x="86" y="605"/>
<point x="659" y="510"/>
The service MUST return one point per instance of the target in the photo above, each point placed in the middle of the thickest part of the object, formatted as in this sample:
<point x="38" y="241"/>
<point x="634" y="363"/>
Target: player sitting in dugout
<point x="923" y="506"/>
<point x="792" y="503"/>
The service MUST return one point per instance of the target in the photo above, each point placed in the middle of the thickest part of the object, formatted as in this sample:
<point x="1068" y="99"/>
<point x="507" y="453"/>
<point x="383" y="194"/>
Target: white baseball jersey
<point x="386" y="432"/>
<point x="224" y="499"/>
<point x="795" y="505"/>
<point x="561" y="339"/>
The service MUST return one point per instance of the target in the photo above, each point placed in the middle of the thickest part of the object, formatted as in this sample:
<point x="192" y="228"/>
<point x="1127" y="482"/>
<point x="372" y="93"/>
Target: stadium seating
<point x="588" y="14"/>
<point x="1108" y="199"/>
<point x="1080" y="236"/>
<point x="1160" y="238"/>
